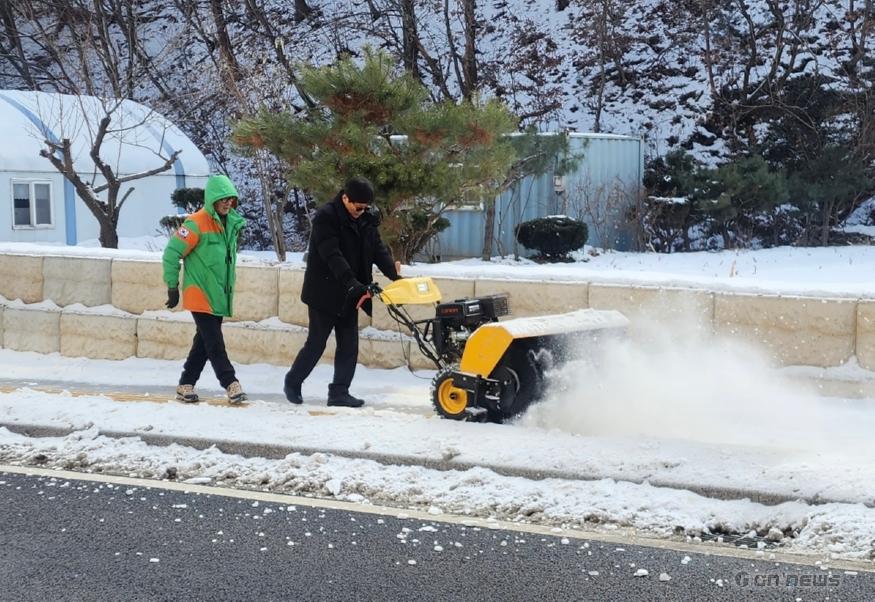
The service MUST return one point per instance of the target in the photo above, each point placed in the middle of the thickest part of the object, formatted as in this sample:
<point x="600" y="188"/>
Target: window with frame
<point x="31" y="204"/>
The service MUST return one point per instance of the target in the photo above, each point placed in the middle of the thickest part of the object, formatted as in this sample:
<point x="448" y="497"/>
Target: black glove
<point x="172" y="298"/>
<point x="355" y="290"/>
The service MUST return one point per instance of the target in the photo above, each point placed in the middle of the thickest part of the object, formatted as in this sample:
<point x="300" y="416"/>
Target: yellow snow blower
<point x="490" y="370"/>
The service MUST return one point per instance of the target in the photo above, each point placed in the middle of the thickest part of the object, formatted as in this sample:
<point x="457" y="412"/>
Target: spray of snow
<point x="672" y="378"/>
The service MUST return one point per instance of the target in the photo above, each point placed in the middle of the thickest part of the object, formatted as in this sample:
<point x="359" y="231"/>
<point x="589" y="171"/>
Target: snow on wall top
<point x="139" y="139"/>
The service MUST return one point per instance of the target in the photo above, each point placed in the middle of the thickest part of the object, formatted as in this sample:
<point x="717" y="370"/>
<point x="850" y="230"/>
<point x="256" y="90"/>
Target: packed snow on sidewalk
<point x="615" y="462"/>
<point x="624" y="438"/>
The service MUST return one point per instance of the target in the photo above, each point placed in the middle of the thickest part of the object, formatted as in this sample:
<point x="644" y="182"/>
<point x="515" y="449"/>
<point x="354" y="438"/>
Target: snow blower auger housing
<point x="489" y="370"/>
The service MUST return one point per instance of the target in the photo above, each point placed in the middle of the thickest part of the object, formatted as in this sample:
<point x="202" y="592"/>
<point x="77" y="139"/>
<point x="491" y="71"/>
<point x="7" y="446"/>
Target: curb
<point x="277" y="452"/>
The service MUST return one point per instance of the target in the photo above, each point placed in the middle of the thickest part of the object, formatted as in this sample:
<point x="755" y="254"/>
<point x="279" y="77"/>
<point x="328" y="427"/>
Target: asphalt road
<point x="68" y="539"/>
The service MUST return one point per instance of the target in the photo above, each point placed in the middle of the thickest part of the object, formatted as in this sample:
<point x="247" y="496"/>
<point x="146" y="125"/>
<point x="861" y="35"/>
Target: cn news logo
<point x="744" y="579"/>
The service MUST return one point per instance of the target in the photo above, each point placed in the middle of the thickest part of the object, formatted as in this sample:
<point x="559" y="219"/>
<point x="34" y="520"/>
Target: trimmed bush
<point x="553" y="237"/>
<point x="187" y="199"/>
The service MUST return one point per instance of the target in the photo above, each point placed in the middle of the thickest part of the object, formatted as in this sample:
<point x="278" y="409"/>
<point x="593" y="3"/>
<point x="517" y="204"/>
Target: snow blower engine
<point x="489" y="370"/>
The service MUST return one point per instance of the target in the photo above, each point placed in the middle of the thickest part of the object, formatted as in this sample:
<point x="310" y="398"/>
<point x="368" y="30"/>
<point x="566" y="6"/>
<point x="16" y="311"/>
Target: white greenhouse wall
<point x="28" y="118"/>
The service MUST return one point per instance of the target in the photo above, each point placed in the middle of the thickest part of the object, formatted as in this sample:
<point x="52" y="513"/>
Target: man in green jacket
<point x="207" y="245"/>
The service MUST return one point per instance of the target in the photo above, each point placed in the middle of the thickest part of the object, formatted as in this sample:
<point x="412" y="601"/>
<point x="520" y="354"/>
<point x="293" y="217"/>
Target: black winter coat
<point x="341" y="251"/>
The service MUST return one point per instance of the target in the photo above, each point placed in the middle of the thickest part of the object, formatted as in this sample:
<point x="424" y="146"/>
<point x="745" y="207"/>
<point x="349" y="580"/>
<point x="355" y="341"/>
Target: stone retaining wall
<point x="864" y="334"/>
<point x="97" y="336"/>
<point x="69" y="280"/>
<point x="138" y="286"/>
<point x="794" y="330"/>
<point x="32" y="329"/>
<point x="270" y="320"/>
<point x="21" y="277"/>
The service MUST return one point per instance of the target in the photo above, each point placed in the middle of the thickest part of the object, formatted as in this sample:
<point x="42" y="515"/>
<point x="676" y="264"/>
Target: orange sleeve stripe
<point x="205" y="222"/>
<point x="188" y="237"/>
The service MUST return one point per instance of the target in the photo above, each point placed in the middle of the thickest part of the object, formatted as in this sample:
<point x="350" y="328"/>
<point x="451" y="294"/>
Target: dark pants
<point x="208" y="344"/>
<point x="346" y="333"/>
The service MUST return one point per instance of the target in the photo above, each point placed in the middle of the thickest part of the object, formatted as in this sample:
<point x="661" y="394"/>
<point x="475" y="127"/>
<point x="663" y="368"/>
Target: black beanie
<point x="359" y="190"/>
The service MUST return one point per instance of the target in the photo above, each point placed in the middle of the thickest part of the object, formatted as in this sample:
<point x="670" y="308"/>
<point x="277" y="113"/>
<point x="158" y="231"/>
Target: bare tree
<point x="604" y="207"/>
<point x="861" y="24"/>
<point x="90" y="121"/>
<point x="214" y="32"/>
<point x="602" y="28"/>
<point x="11" y="48"/>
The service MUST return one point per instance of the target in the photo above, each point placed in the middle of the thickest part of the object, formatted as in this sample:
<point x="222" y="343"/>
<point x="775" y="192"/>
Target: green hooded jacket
<point x="208" y="248"/>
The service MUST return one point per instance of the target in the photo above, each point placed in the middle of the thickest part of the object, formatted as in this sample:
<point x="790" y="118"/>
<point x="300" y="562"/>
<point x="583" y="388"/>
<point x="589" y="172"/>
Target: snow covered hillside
<point x="720" y="79"/>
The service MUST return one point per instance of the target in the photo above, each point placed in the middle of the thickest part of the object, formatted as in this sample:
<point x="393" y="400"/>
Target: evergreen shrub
<point x="187" y="199"/>
<point x="553" y="237"/>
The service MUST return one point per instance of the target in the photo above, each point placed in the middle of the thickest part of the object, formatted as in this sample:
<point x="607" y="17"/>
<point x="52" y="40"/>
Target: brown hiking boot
<point x="185" y="393"/>
<point x="235" y="393"/>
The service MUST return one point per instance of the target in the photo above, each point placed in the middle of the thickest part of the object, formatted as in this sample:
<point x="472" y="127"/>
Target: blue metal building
<point x="601" y="190"/>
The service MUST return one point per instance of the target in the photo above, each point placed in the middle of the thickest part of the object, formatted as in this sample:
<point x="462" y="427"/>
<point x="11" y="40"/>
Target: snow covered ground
<point x="678" y="412"/>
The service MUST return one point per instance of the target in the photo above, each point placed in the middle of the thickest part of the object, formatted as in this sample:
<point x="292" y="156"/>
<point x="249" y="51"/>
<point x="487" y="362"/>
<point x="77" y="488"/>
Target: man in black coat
<point x="345" y="244"/>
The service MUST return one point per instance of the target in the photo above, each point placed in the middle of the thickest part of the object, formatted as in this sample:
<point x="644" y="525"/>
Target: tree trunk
<point x="410" y="38"/>
<point x="709" y="57"/>
<point x="602" y="32"/>
<point x="469" y="62"/>
<point x="108" y="235"/>
<point x="223" y="41"/>
<point x="824" y="226"/>
<point x="302" y="10"/>
<point x="488" y="232"/>
<point x="15" y="53"/>
<point x="272" y="212"/>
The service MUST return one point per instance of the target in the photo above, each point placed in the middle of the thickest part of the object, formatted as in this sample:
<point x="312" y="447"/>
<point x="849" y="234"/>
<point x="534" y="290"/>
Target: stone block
<point x="21" y="277"/>
<point x="531" y="298"/>
<point x="290" y="308"/>
<point x="85" y="280"/>
<point x="392" y="353"/>
<point x="249" y="343"/>
<point x="794" y="330"/>
<point x="450" y="288"/>
<point x="31" y="329"/>
<point x="164" y="339"/>
<point x="256" y="293"/>
<point x="138" y="286"/>
<point x="865" y="343"/>
<point x="98" y="336"/>
<point x="2" y="308"/>
<point x="653" y="306"/>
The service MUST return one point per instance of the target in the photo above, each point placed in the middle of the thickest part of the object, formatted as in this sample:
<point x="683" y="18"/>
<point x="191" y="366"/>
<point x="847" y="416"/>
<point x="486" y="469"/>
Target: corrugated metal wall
<point x="600" y="191"/>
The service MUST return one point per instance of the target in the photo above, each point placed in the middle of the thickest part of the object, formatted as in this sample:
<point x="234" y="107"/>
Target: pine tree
<point x="373" y="121"/>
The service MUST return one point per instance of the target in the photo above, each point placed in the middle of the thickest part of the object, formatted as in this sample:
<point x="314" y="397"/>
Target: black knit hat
<point x="359" y="190"/>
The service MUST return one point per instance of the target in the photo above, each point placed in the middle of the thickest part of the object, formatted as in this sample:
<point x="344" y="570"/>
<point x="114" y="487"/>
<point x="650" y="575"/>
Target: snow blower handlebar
<point x="371" y="290"/>
<point x="411" y="291"/>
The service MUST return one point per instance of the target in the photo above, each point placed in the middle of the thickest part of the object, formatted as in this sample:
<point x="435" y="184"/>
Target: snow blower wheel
<point x="449" y="400"/>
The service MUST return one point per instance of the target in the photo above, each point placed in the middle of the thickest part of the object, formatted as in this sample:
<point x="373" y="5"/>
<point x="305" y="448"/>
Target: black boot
<point x="338" y="395"/>
<point x="293" y="391"/>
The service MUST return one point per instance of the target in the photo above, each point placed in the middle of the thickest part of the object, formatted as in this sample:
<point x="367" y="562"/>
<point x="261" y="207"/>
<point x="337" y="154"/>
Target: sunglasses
<point x="359" y="206"/>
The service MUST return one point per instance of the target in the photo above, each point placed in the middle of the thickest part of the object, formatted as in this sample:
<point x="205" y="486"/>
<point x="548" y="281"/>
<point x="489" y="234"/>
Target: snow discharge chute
<point x="490" y="369"/>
